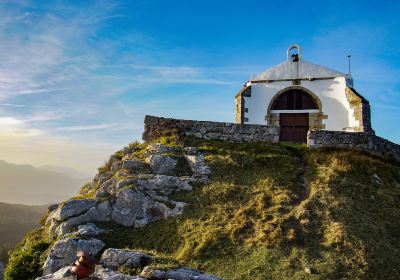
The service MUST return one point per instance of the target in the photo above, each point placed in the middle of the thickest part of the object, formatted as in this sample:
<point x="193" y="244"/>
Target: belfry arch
<point x="296" y="110"/>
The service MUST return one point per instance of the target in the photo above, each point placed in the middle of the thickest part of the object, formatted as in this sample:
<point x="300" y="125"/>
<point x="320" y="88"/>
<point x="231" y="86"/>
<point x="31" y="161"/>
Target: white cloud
<point x="86" y="127"/>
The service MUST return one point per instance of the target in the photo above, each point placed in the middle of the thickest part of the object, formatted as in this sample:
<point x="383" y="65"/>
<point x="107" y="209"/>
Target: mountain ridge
<point x="25" y="184"/>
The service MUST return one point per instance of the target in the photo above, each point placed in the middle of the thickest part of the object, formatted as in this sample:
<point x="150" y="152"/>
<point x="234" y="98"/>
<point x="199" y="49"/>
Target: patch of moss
<point x="27" y="259"/>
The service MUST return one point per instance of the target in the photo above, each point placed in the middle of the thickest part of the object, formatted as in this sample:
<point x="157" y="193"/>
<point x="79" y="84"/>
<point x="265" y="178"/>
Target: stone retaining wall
<point x="368" y="142"/>
<point x="155" y="127"/>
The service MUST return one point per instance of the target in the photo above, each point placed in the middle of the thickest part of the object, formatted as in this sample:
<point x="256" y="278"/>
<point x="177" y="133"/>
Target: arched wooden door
<point x="292" y="106"/>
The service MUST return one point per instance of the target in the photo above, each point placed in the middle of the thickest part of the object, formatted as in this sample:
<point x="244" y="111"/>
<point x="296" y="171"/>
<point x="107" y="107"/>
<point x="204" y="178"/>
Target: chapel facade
<point x="299" y="96"/>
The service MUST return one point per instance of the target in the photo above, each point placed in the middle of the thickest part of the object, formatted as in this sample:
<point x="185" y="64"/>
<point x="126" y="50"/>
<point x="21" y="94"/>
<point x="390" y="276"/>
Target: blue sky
<point x="77" y="77"/>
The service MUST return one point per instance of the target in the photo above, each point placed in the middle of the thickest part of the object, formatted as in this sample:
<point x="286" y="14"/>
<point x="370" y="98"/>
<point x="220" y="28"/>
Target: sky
<point x="78" y="77"/>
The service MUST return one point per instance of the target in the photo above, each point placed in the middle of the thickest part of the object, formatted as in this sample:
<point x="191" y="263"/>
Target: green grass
<point x="28" y="257"/>
<point x="258" y="219"/>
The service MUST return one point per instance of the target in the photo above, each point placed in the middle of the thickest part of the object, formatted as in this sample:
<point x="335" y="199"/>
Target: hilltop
<point x="234" y="210"/>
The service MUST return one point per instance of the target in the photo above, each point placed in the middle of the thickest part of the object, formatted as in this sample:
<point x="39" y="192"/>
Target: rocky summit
<point x="132" y="192"/>
<point x="184" y="208"/>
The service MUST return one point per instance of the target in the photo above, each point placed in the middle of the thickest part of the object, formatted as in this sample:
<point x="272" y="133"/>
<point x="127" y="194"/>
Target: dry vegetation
<point x="273" y="210"/>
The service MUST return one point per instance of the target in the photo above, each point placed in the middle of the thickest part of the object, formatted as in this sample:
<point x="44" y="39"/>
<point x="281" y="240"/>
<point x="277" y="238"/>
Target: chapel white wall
<point x="331" y="92"/>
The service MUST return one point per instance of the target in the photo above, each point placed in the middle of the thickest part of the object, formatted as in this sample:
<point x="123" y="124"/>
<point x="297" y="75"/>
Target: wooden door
<point x="294" y="127"/>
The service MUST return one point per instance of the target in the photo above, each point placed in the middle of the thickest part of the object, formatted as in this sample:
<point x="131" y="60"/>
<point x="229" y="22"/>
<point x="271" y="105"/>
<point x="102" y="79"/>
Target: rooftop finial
<point x="349" y="57"/>
<point x="294" y="57"/>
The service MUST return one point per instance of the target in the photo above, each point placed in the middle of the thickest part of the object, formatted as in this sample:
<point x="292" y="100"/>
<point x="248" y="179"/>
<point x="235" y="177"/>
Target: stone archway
<point x="296" y="110"/>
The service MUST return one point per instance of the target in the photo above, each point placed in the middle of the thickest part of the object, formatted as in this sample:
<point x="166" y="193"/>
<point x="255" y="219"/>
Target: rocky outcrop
<point x="98" y="213"/>
<point x="73" y="208"/>
<point x="137" y="192"/>
<point x="115" y="258"/>
<point x="103" y="273"/>
<point x="112" y="260"/>
<point x="177" y="274"/>
<point x="161" y="164"/>
<point x="64" y="252"/>
<point x="89" y="229"/>
<point x="132" y="192"/>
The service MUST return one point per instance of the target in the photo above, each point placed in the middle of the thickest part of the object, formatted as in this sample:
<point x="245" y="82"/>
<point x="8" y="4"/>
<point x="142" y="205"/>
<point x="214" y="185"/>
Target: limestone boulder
<point x="64" y="252"/>
<point x="161" y="164"/>
<point x="129" y="208"/>
<point x="164" y="184"/>
<point x="177" y="274"/>
<point x="73" y="208"/>
<point x="158" y="148"/>
<point x="99" y="213"/>
<point x="61" y="274"/>
<point x="101" y="177"/>
<point x="198" y="164"/>
<point x="115" y="258"/>
<point x="134" y="165"/>
<point x="89" y="229"/>
<point x="103" y="273"/>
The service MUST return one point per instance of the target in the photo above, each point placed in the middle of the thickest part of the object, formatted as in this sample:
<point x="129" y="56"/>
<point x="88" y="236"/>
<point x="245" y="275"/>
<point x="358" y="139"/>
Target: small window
<point x="246" y="119"/>
<point x="246" y="110"/>
<point x="247" y="92"/>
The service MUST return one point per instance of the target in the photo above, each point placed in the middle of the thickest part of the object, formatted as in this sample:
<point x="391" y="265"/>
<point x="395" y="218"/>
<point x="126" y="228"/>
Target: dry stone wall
<point x="368" y="142"/>
<point x="155" y="127"/>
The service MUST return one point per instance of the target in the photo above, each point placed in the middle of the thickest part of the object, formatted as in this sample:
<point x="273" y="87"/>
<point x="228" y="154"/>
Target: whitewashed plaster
<point x="331" y="93"/>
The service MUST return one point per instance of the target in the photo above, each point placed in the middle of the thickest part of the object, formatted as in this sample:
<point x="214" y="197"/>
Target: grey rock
<point x="104" y="189"/>
<point x="102" y="273"/>
<point x="64" y="252"/>
<point x="115" y="258"/>
<point x="198" y="164"/>
<point x="52" y="207"/>
<point x="100" y="178"/>
<point x="177" y="274"/>
<point x="148" y="202"/>
<point x="377" y="179"/>
<point x="89" y="229"/>
<point x="158" y="148"/>
<point x="133" y="165"/>
<point x="164" y="184"/>
<point x="116" y="166"/>
<point x="129" y="207"/>
<point x="73" y="208"/>
<point x="161" y="164"/>
<point x="191" y="150"/>
<point x="61" y="274"/>
<point x="100" y="213"/>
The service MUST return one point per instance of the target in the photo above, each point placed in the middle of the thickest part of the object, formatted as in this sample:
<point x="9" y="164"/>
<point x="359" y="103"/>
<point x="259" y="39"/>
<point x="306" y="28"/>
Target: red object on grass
<point x="84" y="266"/>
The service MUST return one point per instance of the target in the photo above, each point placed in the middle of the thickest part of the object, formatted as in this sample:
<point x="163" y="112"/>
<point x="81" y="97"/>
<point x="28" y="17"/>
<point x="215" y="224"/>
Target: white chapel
<point x="299" y="96"/>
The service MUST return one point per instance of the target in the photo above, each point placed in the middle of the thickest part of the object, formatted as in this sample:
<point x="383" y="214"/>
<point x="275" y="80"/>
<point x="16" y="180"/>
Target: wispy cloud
<point x="86" y="127"/>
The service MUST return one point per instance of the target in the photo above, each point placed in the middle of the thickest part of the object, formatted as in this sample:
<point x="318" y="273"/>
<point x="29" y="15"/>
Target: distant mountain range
<point x="15" y="221"/>
<point x="66" y="171"/>
<point x="25" y="184"/>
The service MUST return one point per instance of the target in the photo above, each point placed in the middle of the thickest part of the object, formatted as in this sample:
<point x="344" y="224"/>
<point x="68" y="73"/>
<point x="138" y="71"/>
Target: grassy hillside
<point x="15" y="222"/>
<point x="25" y="184"/>
<point x="274" y="211"/>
